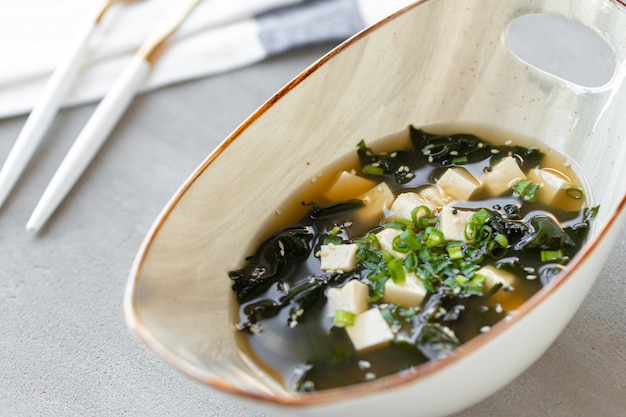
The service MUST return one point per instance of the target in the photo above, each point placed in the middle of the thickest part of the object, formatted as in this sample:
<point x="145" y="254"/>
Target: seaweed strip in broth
<point x="517" y="232"/>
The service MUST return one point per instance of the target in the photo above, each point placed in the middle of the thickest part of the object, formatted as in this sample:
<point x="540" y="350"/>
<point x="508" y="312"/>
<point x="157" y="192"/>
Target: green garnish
<point x="373" y="170"/>
<point x="475" y="225"/>
<point x="396" y="270"/>
<point x="526" y="190"/>
<point x="575" y="193"/>
<point x="551" y="255"/>
<point x="344" y="318"/>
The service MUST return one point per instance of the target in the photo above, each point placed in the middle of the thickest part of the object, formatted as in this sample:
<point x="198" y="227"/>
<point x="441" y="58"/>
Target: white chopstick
<point x="46" y="107"/>
<point x="105" y="117"/>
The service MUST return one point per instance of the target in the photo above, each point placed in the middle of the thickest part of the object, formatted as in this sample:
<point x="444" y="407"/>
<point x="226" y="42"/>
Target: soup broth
<point x="398" y="254"/>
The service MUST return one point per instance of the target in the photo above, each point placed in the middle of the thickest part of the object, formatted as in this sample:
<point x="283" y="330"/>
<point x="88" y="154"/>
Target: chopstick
<point x="105" y="117"/>
<point x="47" y="106"/>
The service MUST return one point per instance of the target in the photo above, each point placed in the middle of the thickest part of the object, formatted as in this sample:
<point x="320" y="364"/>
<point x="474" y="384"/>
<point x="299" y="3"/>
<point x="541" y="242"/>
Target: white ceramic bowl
<point x="435" y="62"/>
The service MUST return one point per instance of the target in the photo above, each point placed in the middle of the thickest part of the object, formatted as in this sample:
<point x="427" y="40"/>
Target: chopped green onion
<point x="412" y="241"/>
<point x="344" y="318"/>
<point x="475" y="224"/>
<point x="455" y="252"/>
<point x="551" y="255"/>
<point x="526" y="190"/>
<point x="461" y="279"/>
<point x="433" y="237"/>
<point x="460" y="160"/>
<point x="485" y="232"/>
<point x="419" y="213"/>
<point x="575" y="193"/>
<point x="374" y="240"/>
<point x="399" y="245"/>
<point x="373" y="170"/>
<point x="399" y="224"/>
<point x="335" y="240"/>
<point x="501" y="240"/>
<point x="396" y="270"/>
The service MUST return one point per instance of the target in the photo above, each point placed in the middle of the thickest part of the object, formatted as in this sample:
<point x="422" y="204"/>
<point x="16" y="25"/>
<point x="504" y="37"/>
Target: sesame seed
<point x="531" y="277"/>
<point x="454" y="153"/>
<point x="370" y="376"/>
<point x="279" y="212"/>
<point x="364" y="365"/>
<point x="495" y="151"/>
<point x="508" y="142"/>
<point x="308" y="385"/>
<point x="499" y="308"/>
<point x="485" y="329"/>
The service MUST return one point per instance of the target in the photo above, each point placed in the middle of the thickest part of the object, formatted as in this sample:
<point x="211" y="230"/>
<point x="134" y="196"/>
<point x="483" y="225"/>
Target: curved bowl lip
<point x="422" y="371"/>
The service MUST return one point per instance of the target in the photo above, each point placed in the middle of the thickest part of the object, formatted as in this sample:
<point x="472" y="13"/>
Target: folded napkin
<point x="218" y="36"/>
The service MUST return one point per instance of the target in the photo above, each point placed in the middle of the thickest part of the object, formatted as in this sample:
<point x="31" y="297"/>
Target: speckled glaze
<point x="437" y="62"/>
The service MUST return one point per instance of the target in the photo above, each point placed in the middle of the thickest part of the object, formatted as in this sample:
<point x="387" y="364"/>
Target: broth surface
<point x="316" y="354"/>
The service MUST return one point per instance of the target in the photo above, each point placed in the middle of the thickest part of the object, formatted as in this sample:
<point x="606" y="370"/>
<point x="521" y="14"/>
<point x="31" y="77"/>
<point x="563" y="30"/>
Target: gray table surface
<point x="64" y="347"/>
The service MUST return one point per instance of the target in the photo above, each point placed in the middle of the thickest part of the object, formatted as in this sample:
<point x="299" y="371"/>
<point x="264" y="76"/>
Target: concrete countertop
<point x="64" y="347"/>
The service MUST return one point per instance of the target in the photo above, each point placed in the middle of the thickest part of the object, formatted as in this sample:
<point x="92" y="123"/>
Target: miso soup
<point x="404" y="251"/>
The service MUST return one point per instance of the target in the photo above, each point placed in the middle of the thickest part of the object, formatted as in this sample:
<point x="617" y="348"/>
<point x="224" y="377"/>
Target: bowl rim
<point x="421" y="371"/>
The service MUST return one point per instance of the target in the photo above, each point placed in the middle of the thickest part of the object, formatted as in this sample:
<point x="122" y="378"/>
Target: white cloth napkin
<point x="220" y="35"/>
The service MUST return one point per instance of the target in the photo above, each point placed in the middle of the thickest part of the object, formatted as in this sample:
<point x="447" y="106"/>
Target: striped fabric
<point x="219" y="36"/>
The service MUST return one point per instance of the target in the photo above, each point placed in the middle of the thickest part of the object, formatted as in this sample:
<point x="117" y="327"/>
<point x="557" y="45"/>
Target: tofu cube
<point x="452" y="222"/>
<point x="338" y="258"/>
<point x="386" y="237"/>
<point x="352" y="297"/>
<point x="459" y="183"/>
<point x="369" y="331"/>
<point x="434" y="196"/>
<point x="377" y="199"/>
<point x="404" y="204"/>
<point x="495" y="276"/>
<point x="502" y="177"/>
<point x="408" y="294"/>
<point x="552" y="188"/>
<point x="347" y="186"/>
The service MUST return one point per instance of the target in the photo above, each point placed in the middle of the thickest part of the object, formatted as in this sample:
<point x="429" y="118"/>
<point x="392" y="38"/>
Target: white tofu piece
<point x="338" y="258"/>
<point x="386" y="237"/>
<point x="502" y="177"/>
<point x="452" y="222"/>
<point x="348" y="185"/>
<point x="404" y="204"/>
<point x="352" y="297"/>
<point x="377" y="200"/>
<point x="495" y="276"/>
<point x="369" y="331"/>
<point x="408" y="294"/>
<point x="435" y="196"/>
<point x="459" y="183"/>
<point x="552" y="188"/>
